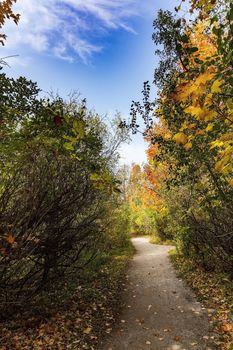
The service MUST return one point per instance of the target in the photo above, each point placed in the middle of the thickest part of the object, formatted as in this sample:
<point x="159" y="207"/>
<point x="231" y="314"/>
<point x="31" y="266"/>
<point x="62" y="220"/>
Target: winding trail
<point x="159" y="311"/>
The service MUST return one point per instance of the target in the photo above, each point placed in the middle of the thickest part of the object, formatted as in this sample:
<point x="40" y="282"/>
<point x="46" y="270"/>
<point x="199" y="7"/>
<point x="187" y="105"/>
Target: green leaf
<point x="197" y="60"/>
<point x="184" y="38"/>
<point x="192" y="49"/>
<point x="79" y="128"/>
<point x="69" y="146"/>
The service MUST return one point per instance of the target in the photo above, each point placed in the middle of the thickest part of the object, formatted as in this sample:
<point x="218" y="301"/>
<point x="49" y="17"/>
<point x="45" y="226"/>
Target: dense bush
<point x="57" y="189"/>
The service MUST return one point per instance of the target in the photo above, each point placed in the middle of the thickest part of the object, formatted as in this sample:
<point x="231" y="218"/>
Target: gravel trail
<point x="159" y="311"/>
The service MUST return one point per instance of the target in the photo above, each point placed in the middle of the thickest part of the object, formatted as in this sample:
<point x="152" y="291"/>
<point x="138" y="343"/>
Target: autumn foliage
<point x="190" y="133"/>
<point x="6" y="12"/>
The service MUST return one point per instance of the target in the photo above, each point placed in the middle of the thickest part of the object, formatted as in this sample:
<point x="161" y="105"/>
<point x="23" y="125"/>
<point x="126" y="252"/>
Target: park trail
<point x="158" y="310"/>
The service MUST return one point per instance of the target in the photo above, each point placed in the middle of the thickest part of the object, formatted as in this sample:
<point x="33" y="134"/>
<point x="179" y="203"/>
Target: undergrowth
<point x="214" y="290"/>
<point x="75" y="317"/>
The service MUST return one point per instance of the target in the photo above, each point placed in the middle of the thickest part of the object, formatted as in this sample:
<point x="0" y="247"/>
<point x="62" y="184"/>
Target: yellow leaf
<point x="231" y="182"/>
<point x="227" y="137"/>
<point x="216" y="143"/>
<point x="229" y="103"/>
<point x="215" y="88"/>
<point x="10" y="239"/>
<point x="209" y="127"/>
<point x="195" y="111"/>
<point x="209" y="115"/>
<point x="209" y="100"/>
<point x="222" y="164"/>
<point x="201" y="113"/>
<point x="204" y="78"/>
<point x="187" y="146"/>
<point x="180" y="138"/>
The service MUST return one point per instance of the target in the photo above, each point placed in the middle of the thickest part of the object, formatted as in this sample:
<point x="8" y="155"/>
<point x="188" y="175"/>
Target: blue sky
<point x="101" y="48"/>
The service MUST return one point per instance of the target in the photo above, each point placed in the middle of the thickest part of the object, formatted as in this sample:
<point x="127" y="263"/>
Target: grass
<point x="156" y="240"/>
<point x="77" y="316"/>
<point x="215" y="291"/>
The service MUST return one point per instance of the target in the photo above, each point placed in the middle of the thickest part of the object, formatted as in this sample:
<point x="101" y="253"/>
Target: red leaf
<point x="57" y="120"/>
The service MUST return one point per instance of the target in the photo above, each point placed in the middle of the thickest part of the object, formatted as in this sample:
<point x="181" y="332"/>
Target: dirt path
<point x="159" y="311"/>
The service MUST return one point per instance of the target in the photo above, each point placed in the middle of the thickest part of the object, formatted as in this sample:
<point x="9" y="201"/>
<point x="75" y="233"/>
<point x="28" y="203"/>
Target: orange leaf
<point x="180" y="138"/>
<point x="10" y="239"/>
<point x="226" y="327"/>
<point x="177" y="338"/>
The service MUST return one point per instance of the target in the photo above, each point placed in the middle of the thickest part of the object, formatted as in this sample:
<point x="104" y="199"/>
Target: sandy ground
<point x="159" y="312"/>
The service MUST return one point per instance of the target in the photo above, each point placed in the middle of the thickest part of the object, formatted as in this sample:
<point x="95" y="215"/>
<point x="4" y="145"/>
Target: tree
<point x="58" y="189"/>
<point x="6" y="12"/>
<point x="190" y="130"/>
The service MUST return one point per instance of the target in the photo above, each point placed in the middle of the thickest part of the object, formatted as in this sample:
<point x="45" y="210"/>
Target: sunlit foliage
<point x="6" y="12"/>
<point x="190" y="131"/>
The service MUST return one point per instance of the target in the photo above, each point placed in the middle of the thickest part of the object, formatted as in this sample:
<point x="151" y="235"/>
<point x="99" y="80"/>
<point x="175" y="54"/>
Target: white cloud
<point x="66" y="28"/>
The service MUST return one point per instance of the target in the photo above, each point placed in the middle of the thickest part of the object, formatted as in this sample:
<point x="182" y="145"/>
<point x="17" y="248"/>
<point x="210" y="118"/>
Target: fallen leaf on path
<point x="205" y="337"/>
<point x="10" y="239"/>
<point x="94" y="337"/>
<point x="87" y="330"/>
<point x="149" y="307"/>
<point x="226" y="327"/>
<point x="177" y="338"/>
<point x="148" y="342"/>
